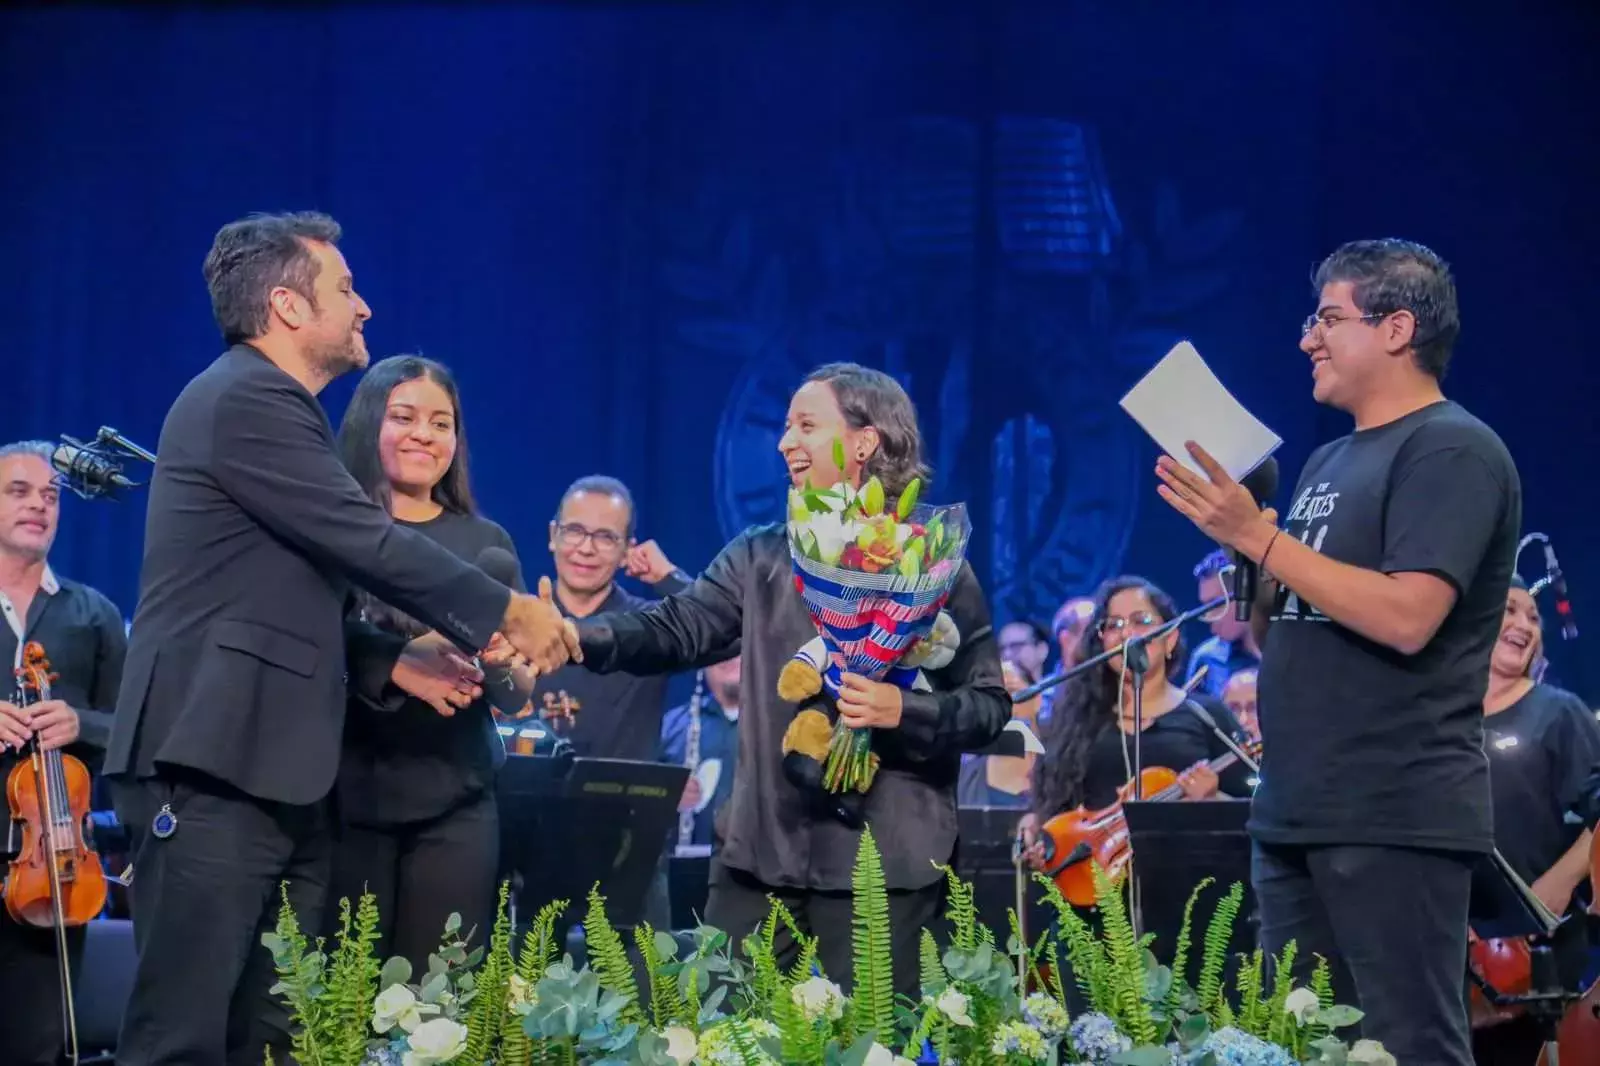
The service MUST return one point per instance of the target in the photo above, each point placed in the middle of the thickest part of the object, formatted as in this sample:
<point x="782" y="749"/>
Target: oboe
<point x="691" y="757"/>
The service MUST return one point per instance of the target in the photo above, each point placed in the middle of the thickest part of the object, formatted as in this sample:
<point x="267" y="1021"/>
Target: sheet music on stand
<point x="1502" y="904"/>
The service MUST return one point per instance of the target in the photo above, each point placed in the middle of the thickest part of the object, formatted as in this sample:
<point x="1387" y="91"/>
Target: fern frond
<point x="1277" y="1025"/>
<point x="539" y="948"/>
<point x="961" y="909"/>
<point x="608" y="957"/>
<point x="1250" y="985"/>
<point x="666" y="1006"/>
<point x="1086" y="953"/>
<point x="1322" y="983"/>
<point x="352" y="981"/>
<point x="488" y="1014"/>
<point x="928" y="964"/>
<point x="298" y="983"/>
<point x="1219" y="934"/>
<point x="1126" y="953"/>
<point x="1180" y="951"/>
<point x="872" y="984"/>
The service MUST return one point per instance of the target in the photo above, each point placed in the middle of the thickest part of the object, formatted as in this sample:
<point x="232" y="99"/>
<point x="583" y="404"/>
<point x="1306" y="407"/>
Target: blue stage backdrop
<point x="631" y="230"/>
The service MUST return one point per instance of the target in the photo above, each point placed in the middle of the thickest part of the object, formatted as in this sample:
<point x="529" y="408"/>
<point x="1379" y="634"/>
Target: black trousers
<point x="31" y="1029"/>
<point x="738" y="903"/>
<point x="202" y="898"/>
<point x="1392" y="923"/>
<point x="421" y="873"/>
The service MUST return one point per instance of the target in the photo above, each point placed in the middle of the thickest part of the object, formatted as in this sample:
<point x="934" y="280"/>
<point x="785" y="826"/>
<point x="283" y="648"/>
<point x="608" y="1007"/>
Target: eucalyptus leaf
<point x="708" y="1009"/>
<point x="666" y="946"/>
<point x="434" y="987"/>
<point x="856" y="1054"/>
<point x="1338" y="1016"/>
<point x="1194" y="1030"/>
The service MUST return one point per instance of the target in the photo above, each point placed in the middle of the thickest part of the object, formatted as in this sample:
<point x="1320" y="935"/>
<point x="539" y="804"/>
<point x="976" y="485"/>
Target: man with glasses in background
<point x="606" y="716"/>
<point x="1384" y="590"/>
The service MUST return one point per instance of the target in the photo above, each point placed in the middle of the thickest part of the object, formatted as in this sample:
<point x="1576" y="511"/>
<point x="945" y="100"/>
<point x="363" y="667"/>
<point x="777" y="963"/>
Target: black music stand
<point x="566" y="824"/>
<point x="1502" y="905"/>
<point x="1175" y="846"/>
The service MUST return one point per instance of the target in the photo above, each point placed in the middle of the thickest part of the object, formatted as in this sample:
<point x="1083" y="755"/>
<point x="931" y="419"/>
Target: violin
<point x="1072" y="838"/>
<point x="56" y="880"/>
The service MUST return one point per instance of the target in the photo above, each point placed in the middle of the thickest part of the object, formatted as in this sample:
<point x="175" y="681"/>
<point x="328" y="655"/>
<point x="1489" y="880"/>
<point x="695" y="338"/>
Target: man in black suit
<point x="232" y="702"/>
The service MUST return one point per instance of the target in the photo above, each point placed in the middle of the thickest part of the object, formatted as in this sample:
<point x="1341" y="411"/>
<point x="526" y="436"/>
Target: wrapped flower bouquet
<point x="875" y="579"/>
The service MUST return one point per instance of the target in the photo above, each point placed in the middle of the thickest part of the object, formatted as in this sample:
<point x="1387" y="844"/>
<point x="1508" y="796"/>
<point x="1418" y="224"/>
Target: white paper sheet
<point x="1181" y="400"/>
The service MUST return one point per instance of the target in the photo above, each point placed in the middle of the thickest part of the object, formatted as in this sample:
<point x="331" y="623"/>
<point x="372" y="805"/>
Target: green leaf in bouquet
<point x="854" y="1055"/>
<point x="910" y="564"/>
<point x="935" y="534"/>
<point x="1337" y="1016"/>
<point x="1157" y="983"/>
<point x="838" y="453"/>
<point x="798" y="510"/>
<point x="1193" y="1031"/>
<point x="396" y="972"/>
<point x="435" y="986"/>
<point x="666" y="946"/>
<point x="908" y="499"/>
<point x="872" y="500"/>
<point x="1145" y="1055"/>
<point x="1330" y="1050"/>
<point x="708" y="1009"/>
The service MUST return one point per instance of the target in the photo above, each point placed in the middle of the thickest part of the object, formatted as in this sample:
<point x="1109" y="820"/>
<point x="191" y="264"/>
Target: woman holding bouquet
<point x="419" y="827"/>
<point x="846" y="424"/>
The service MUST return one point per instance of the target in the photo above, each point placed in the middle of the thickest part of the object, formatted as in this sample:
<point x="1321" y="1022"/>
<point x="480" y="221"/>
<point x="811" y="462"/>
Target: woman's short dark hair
<point x="251" y="257"/>
<point x="1394" y="275"/>
<point x="870" y="397"/>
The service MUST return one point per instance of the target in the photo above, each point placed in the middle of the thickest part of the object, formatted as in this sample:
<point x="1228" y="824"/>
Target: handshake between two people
<point x="534" y="638"/>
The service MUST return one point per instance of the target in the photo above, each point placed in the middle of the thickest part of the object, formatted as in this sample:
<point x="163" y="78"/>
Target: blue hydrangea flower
<point x="1095" y="1038"/>
<point x="1233" y="1047"/>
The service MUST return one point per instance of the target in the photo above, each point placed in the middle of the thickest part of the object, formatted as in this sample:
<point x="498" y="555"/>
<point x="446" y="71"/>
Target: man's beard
<point x="333" y="360"/>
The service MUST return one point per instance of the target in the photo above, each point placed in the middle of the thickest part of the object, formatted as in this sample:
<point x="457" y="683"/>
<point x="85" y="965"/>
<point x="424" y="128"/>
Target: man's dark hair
<point x="599" y="485"/>
<point x="1212" y="565"/>
<point x="1394" y="275"/>
<point x="251" y="257"/>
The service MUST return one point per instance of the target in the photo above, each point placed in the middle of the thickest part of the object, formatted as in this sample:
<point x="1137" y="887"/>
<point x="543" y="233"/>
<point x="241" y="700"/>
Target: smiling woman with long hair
<point x="419" y="827"/>
<point x="782" y="840"/>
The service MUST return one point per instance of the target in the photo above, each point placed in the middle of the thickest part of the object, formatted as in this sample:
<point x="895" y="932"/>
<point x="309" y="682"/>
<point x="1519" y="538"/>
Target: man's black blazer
<point x="236" y="664"/>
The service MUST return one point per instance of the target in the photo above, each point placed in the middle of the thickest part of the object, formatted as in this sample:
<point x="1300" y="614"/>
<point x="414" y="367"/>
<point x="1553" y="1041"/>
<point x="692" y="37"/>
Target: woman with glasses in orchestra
<point x="419" y="827"/>
<point x="1089" y="738"/>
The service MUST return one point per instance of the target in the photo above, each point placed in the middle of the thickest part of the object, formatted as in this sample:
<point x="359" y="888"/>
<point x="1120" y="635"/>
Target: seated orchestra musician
<point x="1002" y="780"/>
<point x="1542" y="742"/>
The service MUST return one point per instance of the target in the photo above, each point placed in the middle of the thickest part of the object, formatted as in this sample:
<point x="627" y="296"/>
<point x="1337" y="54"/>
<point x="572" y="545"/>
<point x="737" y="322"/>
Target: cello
<point x="55" y="881"/>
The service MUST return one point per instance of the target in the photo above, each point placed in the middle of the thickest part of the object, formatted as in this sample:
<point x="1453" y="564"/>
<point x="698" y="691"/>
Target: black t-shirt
<point x="1541" y="749"/>
<point x="413" y="763"/>
<point x="1362" y="743"/>
<point x="1175" y="740"/>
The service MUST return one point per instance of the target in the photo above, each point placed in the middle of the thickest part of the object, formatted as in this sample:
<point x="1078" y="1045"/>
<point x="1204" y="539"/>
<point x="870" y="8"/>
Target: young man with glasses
<point x="612" y="716"/>
<point x="1384" y="590"/>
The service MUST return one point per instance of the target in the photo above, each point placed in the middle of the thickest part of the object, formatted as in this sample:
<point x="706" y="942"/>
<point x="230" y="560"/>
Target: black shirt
<point x="614" y="716"/>
<point x="85" y="640"/>
<point x="746" y="600"/>
<point x="1540" y="750"/>
<point x="719" y="742"/>
<point x="1362" y="743"/>
<point x="407" y="762"/>
<point x="1175" y="740"/>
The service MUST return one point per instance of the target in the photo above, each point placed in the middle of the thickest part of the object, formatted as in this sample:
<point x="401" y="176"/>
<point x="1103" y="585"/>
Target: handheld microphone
<point x="1262" y="484"/>
<point x="1558" y="585"/>
<point x="500" y="565"/>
